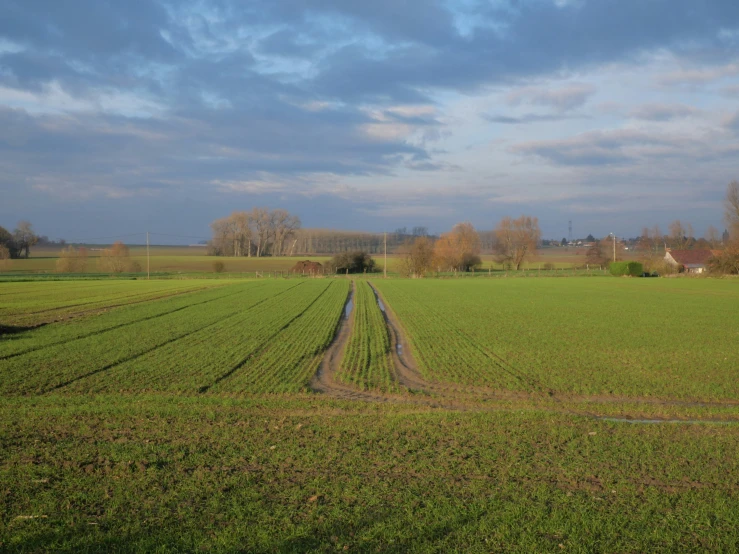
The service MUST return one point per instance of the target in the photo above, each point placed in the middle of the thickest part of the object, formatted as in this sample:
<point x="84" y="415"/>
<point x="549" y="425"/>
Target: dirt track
<point x="454" y="396"/>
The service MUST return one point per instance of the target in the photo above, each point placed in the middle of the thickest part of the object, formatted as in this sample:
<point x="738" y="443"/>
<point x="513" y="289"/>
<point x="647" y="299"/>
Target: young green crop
<point x="367" y="363"/>
<point x="624" y="337"/>
<point x="62" y="365"/>
<point x="29" y="304"/>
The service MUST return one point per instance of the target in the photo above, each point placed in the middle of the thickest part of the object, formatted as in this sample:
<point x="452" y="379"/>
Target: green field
<point x="668" y="338"/>
<point x="484" y="415"/>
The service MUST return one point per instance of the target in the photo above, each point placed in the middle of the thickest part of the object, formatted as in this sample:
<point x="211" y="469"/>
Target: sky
<point x="121" y="117"/>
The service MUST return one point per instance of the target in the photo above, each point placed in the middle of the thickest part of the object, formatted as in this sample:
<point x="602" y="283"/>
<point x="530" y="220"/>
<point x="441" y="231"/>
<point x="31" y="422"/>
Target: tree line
<point x="514" y="241"/>
<point x="259" y="232"/>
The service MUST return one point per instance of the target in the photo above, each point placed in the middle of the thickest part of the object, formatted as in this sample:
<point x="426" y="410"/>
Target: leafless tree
<point x="263" y="228"/>
<point x="285" y="226"/>
<point x="731" y="210"/>
<point x="517" y="239"/>
<point x="72" y="260"/>
<point x="117" y="259"/>
<point x="221" y="243"/>
<point x="417" y="257"/>
<point x="713" y="236"/>
<point x="681" y="235"/>
<point x="240" y="226"/>
<point x="24" y="237"/>
<point x="596" y="254"/>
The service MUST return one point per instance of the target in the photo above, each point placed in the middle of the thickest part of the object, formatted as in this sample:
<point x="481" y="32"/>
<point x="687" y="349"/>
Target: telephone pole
<point x="614" y="247"/>
<point x="385" y="268"/>
<point x="148" y="260"/>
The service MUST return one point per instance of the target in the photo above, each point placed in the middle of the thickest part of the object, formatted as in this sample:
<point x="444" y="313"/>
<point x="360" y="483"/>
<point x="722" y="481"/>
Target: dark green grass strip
<point x="194" y="474"/>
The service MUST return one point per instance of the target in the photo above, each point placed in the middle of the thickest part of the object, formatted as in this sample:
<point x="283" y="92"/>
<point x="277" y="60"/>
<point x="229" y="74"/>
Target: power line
<point x="80" y="240"/>
<point x="179" y="236"/>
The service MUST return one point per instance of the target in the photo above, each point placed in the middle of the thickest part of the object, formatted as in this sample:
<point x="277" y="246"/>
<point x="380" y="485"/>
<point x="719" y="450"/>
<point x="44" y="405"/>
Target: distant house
<point x="690" y="261"/>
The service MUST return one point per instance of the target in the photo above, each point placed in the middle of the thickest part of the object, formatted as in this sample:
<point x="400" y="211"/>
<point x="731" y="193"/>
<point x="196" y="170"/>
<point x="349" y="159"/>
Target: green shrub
<point x="219" y="267"/>
<point x="635" y="269"/>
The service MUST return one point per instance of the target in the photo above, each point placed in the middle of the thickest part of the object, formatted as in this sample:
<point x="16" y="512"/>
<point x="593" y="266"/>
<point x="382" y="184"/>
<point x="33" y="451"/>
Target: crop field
<point x="663" y="338"/>
<point x="367" y="362"/>
<point x="478" y="415"/>
<point x="259" y="336"/>
<point x="34" y="303"/>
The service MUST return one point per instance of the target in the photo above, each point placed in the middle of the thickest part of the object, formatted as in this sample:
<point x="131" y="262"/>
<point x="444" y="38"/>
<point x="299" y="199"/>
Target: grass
<point x="180" y="474"/>
<point x="663" y="338"/>
<point x="175" y="416"/>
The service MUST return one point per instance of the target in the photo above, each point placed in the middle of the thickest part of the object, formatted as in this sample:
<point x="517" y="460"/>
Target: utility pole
<point x="148" y="260"/>
<point x="614" y="247"/>
<point x="385" y="268"/>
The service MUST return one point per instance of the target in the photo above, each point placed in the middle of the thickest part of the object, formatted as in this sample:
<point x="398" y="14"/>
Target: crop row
<point x="367" y="363"/>
<point x="51" y="335"/>
<point x="214" y="354"/>
<point x="288" y="360"/>
<point x="63" y="364"/>
<point x="660" y="338"/>
<point x="33" y="303"/>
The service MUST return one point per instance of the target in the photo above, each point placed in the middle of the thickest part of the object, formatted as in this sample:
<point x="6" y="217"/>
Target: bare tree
<point x="417" y="257"/>
<point x="72" y="260"/>
<point x="117" y="259"/>
<point x="681" y="235"/>
<point x="240" y="226"/>
<point x="220" y="244"/>
<point x="24" y="237"/>
<point x="263" y="227"/>
<point x="285" y="226"/>
<point x="458" y="250"/>
<point x="731" y="210"/>
<point x="713" y="236"/>
<point x="517" y="239"/>
<point x="658" y="239"/>
<point x="596" y="254"/>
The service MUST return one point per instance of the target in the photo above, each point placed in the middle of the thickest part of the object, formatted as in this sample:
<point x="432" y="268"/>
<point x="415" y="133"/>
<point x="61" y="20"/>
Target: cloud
<point x="209" y="100"/>
<point x="598" y="148"/>
<point x="699" y="76"/>
<point x="663" y="112"/>
<point x="526" y="118"/>
<point x="561" y="99"/>
<point x="732" y="122"/>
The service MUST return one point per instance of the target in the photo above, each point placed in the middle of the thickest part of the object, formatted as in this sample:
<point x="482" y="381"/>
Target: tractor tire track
<point x="324" y="381"/>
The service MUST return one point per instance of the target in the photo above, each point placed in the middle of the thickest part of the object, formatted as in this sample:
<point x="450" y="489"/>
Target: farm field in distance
<point x="192" y="260"/>
<point x="268" y="415"/>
